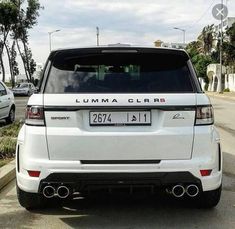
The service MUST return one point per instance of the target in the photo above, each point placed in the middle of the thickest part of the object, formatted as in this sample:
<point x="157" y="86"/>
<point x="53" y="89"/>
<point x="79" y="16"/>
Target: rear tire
<point x="209" y="199"/>
<point x="30" y="201"/>
<point x="11" y="117"/>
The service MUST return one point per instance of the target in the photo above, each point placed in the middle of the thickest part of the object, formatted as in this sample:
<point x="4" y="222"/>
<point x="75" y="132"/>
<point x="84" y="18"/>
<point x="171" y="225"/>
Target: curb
<point x="7" y="174"/>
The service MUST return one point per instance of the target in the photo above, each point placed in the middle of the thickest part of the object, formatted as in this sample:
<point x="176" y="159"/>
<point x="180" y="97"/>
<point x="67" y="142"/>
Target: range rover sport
<point x="108" y="117"/>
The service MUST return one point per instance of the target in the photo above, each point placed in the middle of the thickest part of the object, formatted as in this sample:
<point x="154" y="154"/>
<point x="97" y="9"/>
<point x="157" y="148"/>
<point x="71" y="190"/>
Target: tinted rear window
<point x="119" y="73"/>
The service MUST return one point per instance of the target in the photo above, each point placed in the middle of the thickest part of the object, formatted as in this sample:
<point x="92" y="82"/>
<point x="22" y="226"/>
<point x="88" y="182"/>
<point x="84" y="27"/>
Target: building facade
<point x="159" y="43"/>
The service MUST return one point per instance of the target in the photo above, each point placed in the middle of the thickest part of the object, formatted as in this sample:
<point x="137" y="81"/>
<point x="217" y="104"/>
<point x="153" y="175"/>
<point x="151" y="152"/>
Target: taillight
<point x="34" y="116"/>
<point x="204" y="115"/>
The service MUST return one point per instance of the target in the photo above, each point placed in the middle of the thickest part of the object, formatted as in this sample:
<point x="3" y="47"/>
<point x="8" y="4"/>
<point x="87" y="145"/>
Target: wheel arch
<point x="13" y="106"/>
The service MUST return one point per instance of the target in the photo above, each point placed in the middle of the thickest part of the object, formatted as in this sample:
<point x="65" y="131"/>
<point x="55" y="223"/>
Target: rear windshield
<point x="22" y="85"/>
<point x="119" y="73"/>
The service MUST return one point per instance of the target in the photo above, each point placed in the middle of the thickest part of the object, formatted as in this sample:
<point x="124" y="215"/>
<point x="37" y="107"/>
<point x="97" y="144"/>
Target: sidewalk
<point x="224" y="95"/>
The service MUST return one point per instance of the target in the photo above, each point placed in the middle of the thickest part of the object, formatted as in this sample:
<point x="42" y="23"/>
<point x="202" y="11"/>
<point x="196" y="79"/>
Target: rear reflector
<point x="34" y="173"/>
<point x="205" y="172"/>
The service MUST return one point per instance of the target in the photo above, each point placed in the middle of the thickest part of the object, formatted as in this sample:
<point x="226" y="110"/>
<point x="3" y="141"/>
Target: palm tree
<point x="206" y="39"/>
<point x="229" y="47"/>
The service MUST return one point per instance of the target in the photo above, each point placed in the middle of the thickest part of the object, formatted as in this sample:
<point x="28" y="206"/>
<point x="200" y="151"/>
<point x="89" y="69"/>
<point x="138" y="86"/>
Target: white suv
<point x="118" y="117"/>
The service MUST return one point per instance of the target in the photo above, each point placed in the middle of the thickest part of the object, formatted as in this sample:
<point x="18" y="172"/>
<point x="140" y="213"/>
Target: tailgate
<point x="163" y="128"/>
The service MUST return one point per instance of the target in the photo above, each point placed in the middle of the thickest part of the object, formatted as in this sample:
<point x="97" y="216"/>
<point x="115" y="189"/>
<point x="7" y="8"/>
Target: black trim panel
<point x="113" y="162"/>
<point x="18" y="158"/>
<point x="219" y="151"/>
<point x="127" y="107"/>
<point x="83" y="181"/>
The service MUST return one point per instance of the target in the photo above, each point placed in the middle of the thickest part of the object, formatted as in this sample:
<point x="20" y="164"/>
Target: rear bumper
<point x="80" y="177"/>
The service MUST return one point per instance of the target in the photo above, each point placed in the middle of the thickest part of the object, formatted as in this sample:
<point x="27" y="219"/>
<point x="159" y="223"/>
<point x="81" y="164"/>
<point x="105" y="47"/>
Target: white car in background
<point x="119" y="118"/>
<point x="7" y="104"/>
<point x="24" y="89"/>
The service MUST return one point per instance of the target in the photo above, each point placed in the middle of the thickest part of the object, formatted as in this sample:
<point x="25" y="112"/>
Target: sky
<point x="136" y="22"/>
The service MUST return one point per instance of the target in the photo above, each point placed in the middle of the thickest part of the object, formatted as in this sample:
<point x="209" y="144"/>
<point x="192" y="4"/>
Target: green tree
<point x="8" y="18"/>
<point x="13" y="65"/>
<point x="199" y="59"/>
<point x="9" y="58"/>
<point x="27" y="18"/>
<point x="193" y="48"/>
<point x="229" y="47"/>
<point x="13" y="54"/>
<point x="201" y="62"/>
<point x="231" y="34"/>
<point x="206" y="39"/>
<point x="2" y="69"/>
<point x="228" y="54"/>
<point x="203" y="51"/>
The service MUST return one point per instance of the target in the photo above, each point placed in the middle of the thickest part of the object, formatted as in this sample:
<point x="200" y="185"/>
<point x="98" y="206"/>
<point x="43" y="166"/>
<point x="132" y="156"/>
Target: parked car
<point x="119" y="117"/>
<point x="7" y="104"/>
<point x="24" y="89"/>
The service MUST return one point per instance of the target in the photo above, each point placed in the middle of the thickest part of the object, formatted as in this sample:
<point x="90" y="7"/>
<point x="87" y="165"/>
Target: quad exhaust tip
<point x="63" y="192"/>
<point x="48" y="191"/>
<point x="192" y="190"/>
<point x="178" y="191"/>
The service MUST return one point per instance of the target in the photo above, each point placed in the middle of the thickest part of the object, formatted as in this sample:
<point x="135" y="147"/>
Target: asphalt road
<point x="121" y="212"/>
<point x="224" y="110"/>
<point x="225" y="121"/>
<point x="135" y="212"/>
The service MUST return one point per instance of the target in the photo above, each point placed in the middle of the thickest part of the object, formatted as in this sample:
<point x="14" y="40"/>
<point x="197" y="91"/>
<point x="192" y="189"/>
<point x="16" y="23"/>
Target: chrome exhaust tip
<point x="48" y="191"/>
<point x="192" y="190"/>
<point x="63" y="192"/>
<point x="178" y="191"/>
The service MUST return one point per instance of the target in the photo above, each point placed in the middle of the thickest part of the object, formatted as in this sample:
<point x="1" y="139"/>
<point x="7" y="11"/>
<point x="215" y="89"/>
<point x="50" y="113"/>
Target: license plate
<point x="119" y="118"/>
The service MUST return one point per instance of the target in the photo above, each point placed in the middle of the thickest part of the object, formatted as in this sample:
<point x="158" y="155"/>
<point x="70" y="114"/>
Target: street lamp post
<point x="183" y="30"/>
<point x="97" y="36"/>
<point x="50" y="33"/>
<point x="221" y="51"/>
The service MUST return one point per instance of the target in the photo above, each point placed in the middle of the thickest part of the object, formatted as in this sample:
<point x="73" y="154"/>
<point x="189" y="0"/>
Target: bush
<point x="7" y="147"/>
<point x="8" y="135"/>
<point x="226" y="90"/>
<point x="8" y="84"/>
<point x="11" y="130"/>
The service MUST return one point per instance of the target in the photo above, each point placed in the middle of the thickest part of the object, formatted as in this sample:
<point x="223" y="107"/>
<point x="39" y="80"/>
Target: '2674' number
<point x="102" y="118"/>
